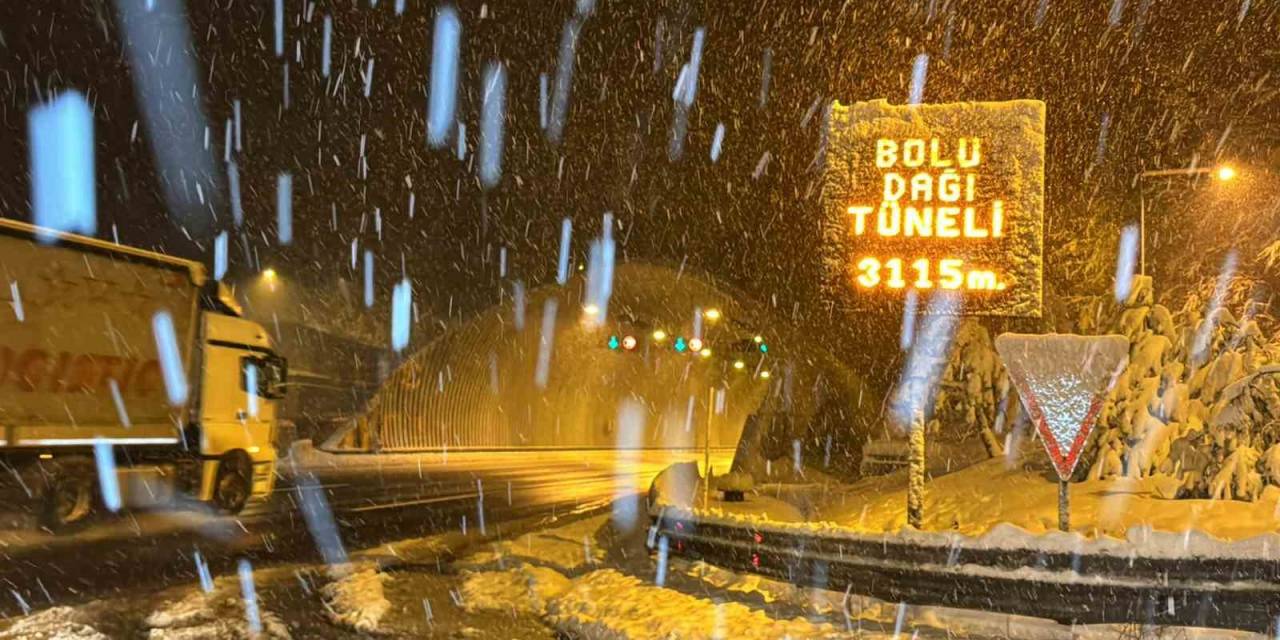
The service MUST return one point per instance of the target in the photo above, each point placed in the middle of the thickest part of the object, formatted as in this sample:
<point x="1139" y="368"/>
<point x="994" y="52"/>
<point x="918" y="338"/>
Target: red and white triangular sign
<point x="1063" y="380"/>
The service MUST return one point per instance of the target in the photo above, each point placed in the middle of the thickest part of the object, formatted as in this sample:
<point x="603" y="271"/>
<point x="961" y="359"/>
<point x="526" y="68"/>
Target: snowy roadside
<point x="863" y="614"/>
<point x="967" y="496"/>
<point x="556" y="575"/>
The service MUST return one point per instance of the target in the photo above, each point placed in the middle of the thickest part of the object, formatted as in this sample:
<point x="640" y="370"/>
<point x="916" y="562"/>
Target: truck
<point x="127" y="377"/>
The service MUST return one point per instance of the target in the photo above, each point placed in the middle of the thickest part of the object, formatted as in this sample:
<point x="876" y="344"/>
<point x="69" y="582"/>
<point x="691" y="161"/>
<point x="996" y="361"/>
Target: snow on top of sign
<point x="1063" y="380"/>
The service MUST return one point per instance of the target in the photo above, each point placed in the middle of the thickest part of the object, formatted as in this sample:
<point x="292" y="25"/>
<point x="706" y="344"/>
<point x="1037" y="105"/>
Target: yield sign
<point x="1063" y="380"/>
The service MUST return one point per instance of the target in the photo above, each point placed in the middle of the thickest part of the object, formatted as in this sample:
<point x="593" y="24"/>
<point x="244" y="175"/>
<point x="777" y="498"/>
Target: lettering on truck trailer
<point x="37" y="370"/>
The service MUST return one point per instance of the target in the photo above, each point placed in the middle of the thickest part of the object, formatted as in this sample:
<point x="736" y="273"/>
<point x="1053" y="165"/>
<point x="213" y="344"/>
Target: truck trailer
<point x="127" y="377"/>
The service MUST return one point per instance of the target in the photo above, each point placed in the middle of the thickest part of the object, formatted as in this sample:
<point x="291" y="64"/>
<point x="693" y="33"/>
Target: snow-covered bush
<point x="1195" y="402"/>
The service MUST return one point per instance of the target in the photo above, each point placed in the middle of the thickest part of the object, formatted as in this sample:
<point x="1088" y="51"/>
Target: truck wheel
<point x="66" y="494"/>
<point x="233" y="483"/>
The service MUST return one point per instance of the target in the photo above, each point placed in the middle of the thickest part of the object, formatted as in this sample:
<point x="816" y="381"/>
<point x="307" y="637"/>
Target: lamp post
<point x="1222" y="173"/>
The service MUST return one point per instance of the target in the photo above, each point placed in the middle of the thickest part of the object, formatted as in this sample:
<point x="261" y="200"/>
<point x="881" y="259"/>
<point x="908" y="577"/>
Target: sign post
<point x="1063" y="380"/>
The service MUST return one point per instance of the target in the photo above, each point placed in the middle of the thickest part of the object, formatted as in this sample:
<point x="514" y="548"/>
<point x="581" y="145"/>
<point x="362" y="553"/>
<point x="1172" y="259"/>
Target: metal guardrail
<point x="1069" y="588"/>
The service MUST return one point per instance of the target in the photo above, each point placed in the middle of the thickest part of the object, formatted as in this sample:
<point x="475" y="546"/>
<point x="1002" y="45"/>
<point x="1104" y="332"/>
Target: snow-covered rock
<point x="216" y="615"/>
<point x="356" y="599"/>
<point x="54" y="623"/>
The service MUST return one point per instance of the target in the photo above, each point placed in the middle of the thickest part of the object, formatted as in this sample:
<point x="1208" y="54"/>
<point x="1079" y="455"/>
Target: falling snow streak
<point x="175" y="375"/>
<point x="906" y="334"/>
<point x="16" y="302"/>
<point x="924" y="366"/>
<point x="658" y="30"/>
<point x="235" y="108"/>
<point x="401" y="304"/>
<point x="60" y="134"/>
<point x="108" y="482"/>
<point x="600" y="264"/>
<point x="399" y="7"/>
<point x="443" y="96"/>
<point x="683" y="94"/>
<point x="202" y="570"/>
<point x="566" y="236"/>
<point x="628" y="442"/>
<point x="233" y="183"/>
<point x="324" y="531"/>
<point x="695" y="65"/>
<point x="251" y="387"/>
<point x="461" y="151"/>
<point x="546" y="342"/>
<point x="1126" y="259"/>
<point x="220" y="256"/>
<point x="542" y="101"/>
<point x="1200" y="351"/>
<point x="167" y="90"/>
<point x="1103" y="127"/>
<point x="919" y="72"/>
<point x="368" y="278"/>
<point x="326" y="46"/>
<point x="22" y="602"/>
<point x="284" y="208"/>
<point x="250" y="595"/>
<point x="279" y="23"/>
<point x="564" y="79"/>
<point x="1116" y="13"/>
<point x="660" y="577"/>
<point x="518" y="303"/>
<point x="766" y="76"/>
<point x="368" y="78"/>
<point x="493" y="113"/>
<point x="716" y="141"/>
<point x="1042" y="9"/>
<point x="121" y="413"/>
<point x="480" y="504"/>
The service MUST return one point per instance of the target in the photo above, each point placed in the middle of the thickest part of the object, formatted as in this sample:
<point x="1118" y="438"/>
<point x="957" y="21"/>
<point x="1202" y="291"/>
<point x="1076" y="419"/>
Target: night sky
<point x="1128" y="85"/>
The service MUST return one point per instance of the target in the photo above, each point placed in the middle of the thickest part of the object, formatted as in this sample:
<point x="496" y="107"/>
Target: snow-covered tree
<point x="1195" y="401"/>
<point x="972" y="383"/>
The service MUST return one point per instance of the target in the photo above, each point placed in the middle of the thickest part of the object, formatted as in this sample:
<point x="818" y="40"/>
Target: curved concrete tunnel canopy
<point x="479" y="385"/>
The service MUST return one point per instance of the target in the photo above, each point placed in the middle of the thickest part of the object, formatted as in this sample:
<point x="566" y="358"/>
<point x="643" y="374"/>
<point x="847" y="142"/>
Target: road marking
<point x="410" y="503"/>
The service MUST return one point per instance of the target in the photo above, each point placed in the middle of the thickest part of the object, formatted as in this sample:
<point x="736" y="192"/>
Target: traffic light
<point x="681" y="345"/>
<point x="614" y="343"/>
<point x="695" y="344"/>
<point x="629" y="343"/>
<point x="760" y="344"/>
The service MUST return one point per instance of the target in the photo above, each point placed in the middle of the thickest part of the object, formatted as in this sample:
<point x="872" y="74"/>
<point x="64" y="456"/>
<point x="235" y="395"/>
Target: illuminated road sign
<point x="936" y="197"/>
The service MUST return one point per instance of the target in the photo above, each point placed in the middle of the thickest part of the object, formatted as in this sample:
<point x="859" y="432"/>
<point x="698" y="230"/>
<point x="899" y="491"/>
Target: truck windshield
<point x="270" y="371"/>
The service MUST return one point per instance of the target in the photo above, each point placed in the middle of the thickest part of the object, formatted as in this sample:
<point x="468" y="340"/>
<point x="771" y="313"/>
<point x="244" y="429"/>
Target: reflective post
<point x="916" y="471"/>
<point x="706" y="449"/>
<point x="1064" y="506"/>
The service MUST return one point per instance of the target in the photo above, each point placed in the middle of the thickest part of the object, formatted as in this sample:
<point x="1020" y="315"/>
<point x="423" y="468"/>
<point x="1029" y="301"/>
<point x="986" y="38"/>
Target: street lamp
<point x="1222" y="173"/>
<point x="269" y="277"/>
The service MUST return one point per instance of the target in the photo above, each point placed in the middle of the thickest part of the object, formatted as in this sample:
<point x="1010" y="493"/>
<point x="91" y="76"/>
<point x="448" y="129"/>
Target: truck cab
<point x="242" y="380"/>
